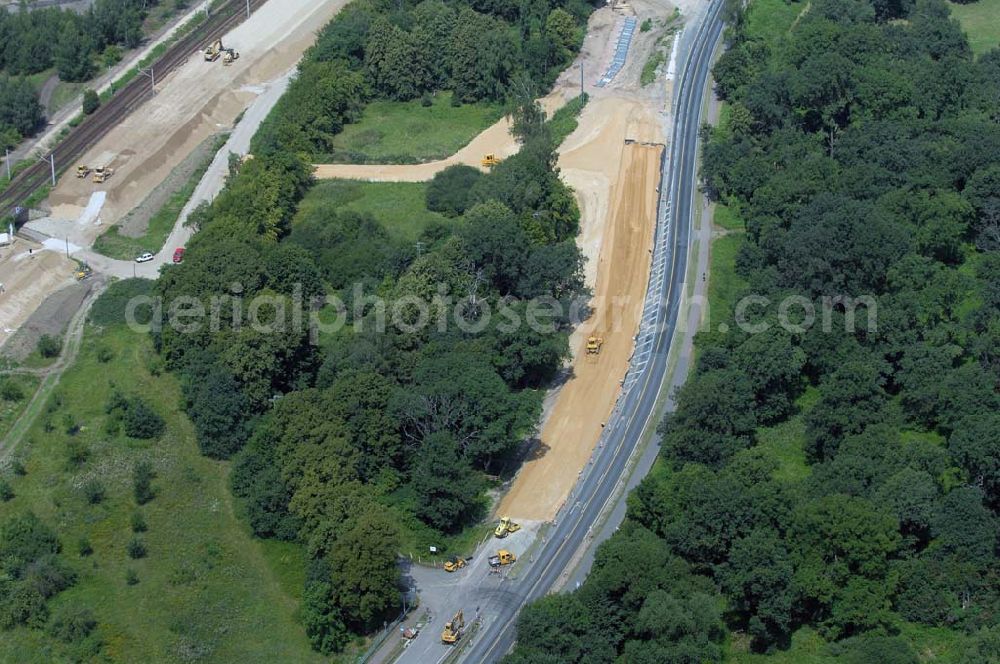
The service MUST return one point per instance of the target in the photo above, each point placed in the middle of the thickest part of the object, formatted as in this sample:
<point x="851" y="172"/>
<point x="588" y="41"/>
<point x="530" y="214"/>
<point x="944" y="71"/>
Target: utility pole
<point x="248" y="8"/>
<point x="152" y="77"/>
<point x="7" y="160"/>
<point x="52" y="164"/>
<point x="581" y="78"/>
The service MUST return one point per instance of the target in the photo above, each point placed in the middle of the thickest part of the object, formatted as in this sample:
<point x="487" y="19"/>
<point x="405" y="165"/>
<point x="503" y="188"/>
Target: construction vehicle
<point x="83" y="272"/>
<point x="102" y="173"/>
<point x="213" y="51"/>
<point x="453" y="564"/>
<point x="231" y="56"/>
<point x="82" y="171"/>
<point x="506" y="527"/>
<point x="490" y="160"/>
<point x="452" y="631"/>
<point x="502" y="557"/>
<point x="594" y="345"/>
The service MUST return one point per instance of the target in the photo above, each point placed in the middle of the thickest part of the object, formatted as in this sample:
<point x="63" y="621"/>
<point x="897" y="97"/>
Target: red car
<point x="178" y="254"/>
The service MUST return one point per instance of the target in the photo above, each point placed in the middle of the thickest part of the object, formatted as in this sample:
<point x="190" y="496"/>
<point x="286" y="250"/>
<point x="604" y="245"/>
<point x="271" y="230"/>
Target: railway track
<point x="124" y="101"/>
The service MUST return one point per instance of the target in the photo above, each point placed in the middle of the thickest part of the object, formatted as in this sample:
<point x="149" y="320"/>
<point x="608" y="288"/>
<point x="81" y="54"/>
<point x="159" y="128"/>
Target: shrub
<point x="131" y="578"/>
<point x="142" y="479"/>
<point x="93" y="491"/>
<point x="646" y="26"/>
<point x="6" y="491"/>
<point x="72" y="624"/>
<point x="84" y="548"/>
<point x="141" y="421"/>
<point x="138" y="523"/>
<point x="11" y="391"/>
<point x="18" y="467"/>
<point x="136" y="548"/>
<point x="49" y="346"/>
<point x="91" y="102"/>
<point x="70" y="425"/>
<point x="105" y="354"/>
<point x="426" y="100"/>
<point x="76" y="454"/>
<point x="448" y="192"/>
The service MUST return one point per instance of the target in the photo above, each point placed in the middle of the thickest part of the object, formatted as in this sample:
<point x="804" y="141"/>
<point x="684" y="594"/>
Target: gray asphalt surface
<point x="498" y="602"/>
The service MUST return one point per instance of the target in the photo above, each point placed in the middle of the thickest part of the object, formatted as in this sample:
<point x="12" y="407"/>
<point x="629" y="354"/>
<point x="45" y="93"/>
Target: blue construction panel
<point x="621" y="52"/>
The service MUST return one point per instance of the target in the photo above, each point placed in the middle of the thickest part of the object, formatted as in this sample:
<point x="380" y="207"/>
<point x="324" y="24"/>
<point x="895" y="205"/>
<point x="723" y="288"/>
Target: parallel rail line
<point x="122" y="103"/>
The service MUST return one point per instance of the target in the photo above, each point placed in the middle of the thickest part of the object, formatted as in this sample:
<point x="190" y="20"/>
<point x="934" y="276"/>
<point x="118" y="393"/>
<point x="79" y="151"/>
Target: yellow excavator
<point x="213" y="51"/>
<point x="594" y="345"/>
<point x="502" y="557"/>
<point x="490" y="160"/>
<point x="454" y="563"/>
<point x="231" y="56"/>
<point x="453" y="629"/>
<point x="506" y="527"/>
<point x="102" y="173"/>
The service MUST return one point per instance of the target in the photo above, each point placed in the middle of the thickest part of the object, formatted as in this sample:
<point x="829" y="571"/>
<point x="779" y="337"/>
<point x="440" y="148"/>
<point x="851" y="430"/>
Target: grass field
<point x="113" y="244"/>
<point x="565" y="121"/>
<point x="724" y="284"/>
<point x="408" y="132"/>
<point x="771" y="19"/>
<point x="207" y="590"/>
<point x="981" y="22"/>
<point x="399" y="206"/>
<point x="11" y="409"/>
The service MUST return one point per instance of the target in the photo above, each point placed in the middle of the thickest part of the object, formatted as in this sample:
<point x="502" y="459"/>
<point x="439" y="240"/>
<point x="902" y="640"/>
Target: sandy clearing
<point x="193" y="103"/>
<point x="28" y="278"/>
<point x="585" y="401"/>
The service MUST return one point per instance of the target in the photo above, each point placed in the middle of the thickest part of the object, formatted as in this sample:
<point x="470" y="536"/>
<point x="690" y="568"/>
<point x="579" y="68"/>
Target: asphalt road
<point x="498" y="602"/>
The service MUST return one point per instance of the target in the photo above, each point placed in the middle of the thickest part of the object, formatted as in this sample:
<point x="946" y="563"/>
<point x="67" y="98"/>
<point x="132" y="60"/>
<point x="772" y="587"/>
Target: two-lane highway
<point x="499" y="602"/>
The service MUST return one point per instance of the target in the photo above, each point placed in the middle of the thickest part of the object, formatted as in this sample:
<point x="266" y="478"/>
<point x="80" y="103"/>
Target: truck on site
<point x="506" y="527"/>
<point x="594" y="345"/>
<point x="102" y="173"/>
<point x="452" y="631"/>
<point x="454" y="563"/>
<point x="213" y="51"/>
<point x="502" y="557"/>
<point x="82" y="171"/>
<point x="490" y="160"/>
<point x="230" y="56"/>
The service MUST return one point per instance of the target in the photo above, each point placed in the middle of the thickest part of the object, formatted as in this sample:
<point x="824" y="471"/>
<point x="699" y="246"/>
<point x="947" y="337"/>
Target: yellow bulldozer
<point x="506" y="527"/>
<point x="452" y="631"/>
<point x="213" y="51"/>
<point x="594" y="345"/>
<point x="454" y="563"/>
<point x="490" y="160"/>
<point x="231" y="56"/>
<point x="102" y="173"/>
<point x="82" y="171"/>
<point x="502" y="557"/>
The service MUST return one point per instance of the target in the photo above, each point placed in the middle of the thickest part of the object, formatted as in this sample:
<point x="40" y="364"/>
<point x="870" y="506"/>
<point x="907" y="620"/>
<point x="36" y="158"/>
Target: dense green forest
<point x="861" y="152"/>
<point x="76" y="45"/>
<point x="349" y="440"/>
